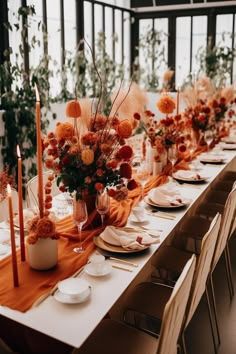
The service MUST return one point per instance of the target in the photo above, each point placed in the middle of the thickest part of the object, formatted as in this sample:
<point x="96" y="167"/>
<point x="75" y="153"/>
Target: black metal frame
<point x="211" y="14"/>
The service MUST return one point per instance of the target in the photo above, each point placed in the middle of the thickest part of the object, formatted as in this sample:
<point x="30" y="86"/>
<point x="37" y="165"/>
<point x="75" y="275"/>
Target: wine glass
<point x="142" y="174"/>
<point x="209" y="136"/>
<point x="102" y="204"/>
<point x="80" y="216"/>
<point x="172" y="156"/>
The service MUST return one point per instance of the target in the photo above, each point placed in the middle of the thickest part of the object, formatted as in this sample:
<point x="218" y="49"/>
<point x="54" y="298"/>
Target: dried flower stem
<point x="100" y="80"/>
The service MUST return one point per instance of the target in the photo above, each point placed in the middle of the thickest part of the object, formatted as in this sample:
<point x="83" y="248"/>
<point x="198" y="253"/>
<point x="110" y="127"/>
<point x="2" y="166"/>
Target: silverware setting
<point x="162" y="215"/>
<point x="121" y="268"/>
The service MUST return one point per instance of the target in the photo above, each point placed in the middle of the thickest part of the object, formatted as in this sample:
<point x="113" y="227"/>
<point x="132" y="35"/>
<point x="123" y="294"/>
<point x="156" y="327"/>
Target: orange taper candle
<point x="12" y="232"/>
<point x="20" y="205"/>
<point x="177" y="104"/>
<point x="39" y="154"/>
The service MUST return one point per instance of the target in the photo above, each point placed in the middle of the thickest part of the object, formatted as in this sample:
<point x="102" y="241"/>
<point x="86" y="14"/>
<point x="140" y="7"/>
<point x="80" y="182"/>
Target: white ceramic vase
<point x="43" y="254"/>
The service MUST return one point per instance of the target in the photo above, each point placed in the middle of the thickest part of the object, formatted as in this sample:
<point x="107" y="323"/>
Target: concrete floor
<point x="198" y="334"/>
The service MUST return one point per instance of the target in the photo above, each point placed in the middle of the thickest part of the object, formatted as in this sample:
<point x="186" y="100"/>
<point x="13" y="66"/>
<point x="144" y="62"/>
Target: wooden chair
<point x="116" y="337"/>
<point x="4" y="213"/>
<point x="152" y="308"/>
<point x="32" y="190"/>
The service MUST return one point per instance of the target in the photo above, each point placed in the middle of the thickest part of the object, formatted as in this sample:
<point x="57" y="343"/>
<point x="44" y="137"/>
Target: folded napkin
<point x="229" y="139"/>
<point x="190" y="175"/>
<point x="162" y="197"/>
<point x="28" y="215"/>
<point x="127" y="238"/>
<point x="212" y="157"/>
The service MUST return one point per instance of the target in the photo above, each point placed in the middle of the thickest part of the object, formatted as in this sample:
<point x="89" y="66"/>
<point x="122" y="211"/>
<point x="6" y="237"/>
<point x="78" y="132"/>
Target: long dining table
<point x="72" y="324"/>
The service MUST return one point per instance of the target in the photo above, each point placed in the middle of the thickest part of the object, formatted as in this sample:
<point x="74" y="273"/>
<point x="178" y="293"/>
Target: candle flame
<point x="36" y="93"/>
<point x="8" y="189"/>
<point x="18" y="151"/>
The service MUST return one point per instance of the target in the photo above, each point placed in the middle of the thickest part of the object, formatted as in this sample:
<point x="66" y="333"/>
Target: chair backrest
<point x="4" y="213"/>
<point x="227" y="225"/>
<point x="32" y="190"/>
<point x="174" y="311"/>
<point x="203" y="267"/>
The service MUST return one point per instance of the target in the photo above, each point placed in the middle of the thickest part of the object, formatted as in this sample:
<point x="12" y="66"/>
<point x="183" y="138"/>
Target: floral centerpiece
<point x="90" y="153"/>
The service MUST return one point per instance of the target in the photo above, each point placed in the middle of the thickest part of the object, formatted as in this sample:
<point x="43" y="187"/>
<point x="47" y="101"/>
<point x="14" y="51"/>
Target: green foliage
<point x="18" y="102"/>
<point x="216" y="62"/>
<point x="94" y="73"/>
<point x="153" y="56"/>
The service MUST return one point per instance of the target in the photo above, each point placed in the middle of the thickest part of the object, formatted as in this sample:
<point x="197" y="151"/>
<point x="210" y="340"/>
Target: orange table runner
<point x="33" y="284"/>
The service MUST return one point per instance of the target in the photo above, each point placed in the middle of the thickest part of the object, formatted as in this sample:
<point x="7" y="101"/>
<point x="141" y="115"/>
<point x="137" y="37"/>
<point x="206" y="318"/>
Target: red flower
<point x="125" y="152"/>
<point x="65" y="160"/>
<point x="182" y="148"/>
<point x="125" y="170"/>
<point x="99" y="186"/>
<point x="137" y="116"/>
<point x="132" y="184"/>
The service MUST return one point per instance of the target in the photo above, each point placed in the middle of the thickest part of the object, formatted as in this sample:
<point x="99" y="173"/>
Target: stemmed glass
<point x="80" y="216"/>
<point x="102" y="204"/>
<point x="172" y="156"/>
<point x="209" y="136"/>
<point x="142" y="174"/>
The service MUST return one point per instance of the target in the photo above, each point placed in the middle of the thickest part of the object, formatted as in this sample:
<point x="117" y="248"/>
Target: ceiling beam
<point x="184" y="6"/>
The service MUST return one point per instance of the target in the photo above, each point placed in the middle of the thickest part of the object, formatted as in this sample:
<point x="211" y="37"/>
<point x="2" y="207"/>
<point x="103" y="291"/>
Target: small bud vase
<point x="43" y="254"/>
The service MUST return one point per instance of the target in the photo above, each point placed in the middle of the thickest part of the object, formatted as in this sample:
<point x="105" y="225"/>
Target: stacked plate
<point x="189" y="176"/>
<point x="166" y="197"/>
<point x="73" y="291"/>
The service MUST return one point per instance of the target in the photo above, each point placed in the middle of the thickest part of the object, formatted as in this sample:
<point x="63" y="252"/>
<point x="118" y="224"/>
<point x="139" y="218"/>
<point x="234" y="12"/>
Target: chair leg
<point x="229" y="271"/>
<point x="183" y="343"/>
<point x="211" y="320"/>
<point x="210" y="280"/>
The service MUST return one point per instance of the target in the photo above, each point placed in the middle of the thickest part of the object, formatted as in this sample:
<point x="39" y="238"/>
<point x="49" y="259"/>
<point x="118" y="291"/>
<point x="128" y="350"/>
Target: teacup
<point x="97" y="262"/>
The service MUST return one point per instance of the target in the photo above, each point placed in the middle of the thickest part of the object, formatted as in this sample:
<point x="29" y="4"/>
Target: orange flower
<point x="32" y="226"/>
<point x="73" y="109"/>
<point x="65" y="131"/>
<point x="125" y="129"/>
<point x="166" y="104"/>
<point x="32" y="239"/>
<point x="106" y="148"/>
<point x="45" y="228"/>
<point x="87" y="156"/>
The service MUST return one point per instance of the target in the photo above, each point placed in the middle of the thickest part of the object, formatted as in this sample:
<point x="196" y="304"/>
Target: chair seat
<point x="225" y="185"/>
<point x="149" y="297"/>
<point x="174" y="254"/>
<point x="229" y="176"/>
<point x="114" y="337"/>
<point x="217" y="196"/>
<point x="209" y="209"/>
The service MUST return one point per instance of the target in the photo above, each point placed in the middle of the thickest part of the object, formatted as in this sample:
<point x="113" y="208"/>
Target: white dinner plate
<point x="67" y="299"/>
<point x="227" y="146"/>
<point x="213" y="160"/>
<point x="151" y="203"/>
<point x="191" y="180"/>
<point x="111" y="248"/>
<point x="105" y="270"/>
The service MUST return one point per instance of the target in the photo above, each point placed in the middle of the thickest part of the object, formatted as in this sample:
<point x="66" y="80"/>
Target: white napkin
<point x="191" y="175"/>
<point x="28" y="215"/>
<point x="127" y="237"/>
<point x="165" y="198"/>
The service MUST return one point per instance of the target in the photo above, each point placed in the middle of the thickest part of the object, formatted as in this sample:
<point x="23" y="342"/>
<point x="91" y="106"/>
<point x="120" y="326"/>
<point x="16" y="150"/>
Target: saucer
<point x="74" y="288"/>
<point x="67" y="299"/>
<point x="105" y="269"/>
